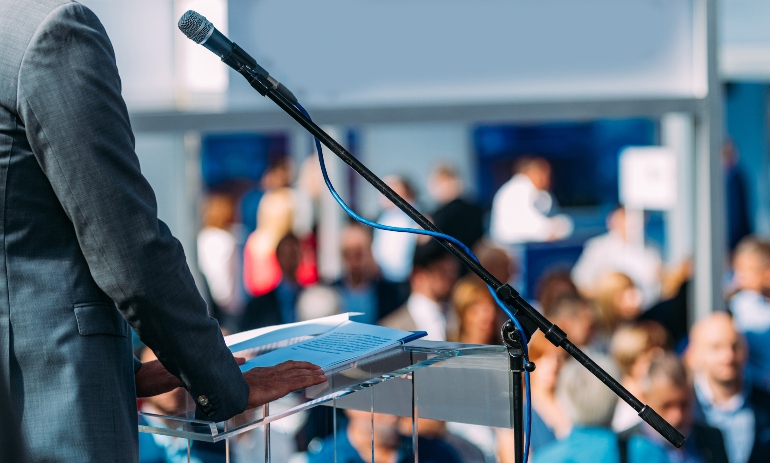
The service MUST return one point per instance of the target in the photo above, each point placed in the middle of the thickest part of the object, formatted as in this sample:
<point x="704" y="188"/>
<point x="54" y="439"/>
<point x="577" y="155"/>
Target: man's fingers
<point x="293" y="364"/>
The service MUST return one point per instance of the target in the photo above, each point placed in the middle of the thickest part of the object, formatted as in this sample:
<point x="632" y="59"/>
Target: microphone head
<point x="195" y="26"/>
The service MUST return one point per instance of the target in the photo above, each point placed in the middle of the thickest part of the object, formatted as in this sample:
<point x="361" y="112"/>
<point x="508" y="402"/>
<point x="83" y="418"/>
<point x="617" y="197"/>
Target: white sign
<point x="648" y="178"/>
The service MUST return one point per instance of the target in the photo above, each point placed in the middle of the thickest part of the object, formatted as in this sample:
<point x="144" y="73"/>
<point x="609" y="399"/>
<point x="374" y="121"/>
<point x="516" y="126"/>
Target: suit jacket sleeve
<point x="77" y="125"/>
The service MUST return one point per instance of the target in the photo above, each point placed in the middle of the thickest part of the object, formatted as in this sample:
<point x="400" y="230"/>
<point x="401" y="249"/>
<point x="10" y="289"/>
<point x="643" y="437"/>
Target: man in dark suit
<point x="83" y="253"/>
<point x="717" y="353"/>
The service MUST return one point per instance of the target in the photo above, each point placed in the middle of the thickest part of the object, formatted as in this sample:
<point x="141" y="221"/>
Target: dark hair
<point x="428" y="254"/>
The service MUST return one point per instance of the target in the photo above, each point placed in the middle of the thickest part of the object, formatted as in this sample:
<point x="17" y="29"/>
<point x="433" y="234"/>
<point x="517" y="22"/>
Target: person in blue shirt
<point x="354" y="443"/>
<point x="590" y="405"/>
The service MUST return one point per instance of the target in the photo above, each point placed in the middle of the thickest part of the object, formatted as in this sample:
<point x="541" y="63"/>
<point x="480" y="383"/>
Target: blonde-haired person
<point x="617" y="301"/>
<point x="634" y="346"/>
<point x="475" y="317"/>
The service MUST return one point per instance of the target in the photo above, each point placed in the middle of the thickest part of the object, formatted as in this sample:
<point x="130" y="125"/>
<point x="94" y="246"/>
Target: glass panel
<point x="461" y="383"/>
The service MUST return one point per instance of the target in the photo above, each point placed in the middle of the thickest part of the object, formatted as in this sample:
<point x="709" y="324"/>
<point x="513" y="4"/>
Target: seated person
<point x="576" y="316"/>
<point x="633" y="346"/>
<point x="354" y="443"/>
<point x="279" y="305"/>
<point x="615" y="252"/>
<point x="434" y="273"/>
<point x="750" y="306"/>
<point x="667" y="390"/>
<point x="590" y="405"/>
<point x="362" y="286"/>
<point x="717" y="355"/>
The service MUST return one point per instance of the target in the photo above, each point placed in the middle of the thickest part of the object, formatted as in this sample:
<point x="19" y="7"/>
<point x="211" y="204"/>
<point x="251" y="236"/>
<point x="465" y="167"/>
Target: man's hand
<point x="272" y="383"/>
<point x="152" y="379"/>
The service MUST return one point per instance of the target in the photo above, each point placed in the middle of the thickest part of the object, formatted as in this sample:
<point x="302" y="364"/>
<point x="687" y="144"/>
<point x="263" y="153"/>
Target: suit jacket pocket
<point x="100" y="318"/>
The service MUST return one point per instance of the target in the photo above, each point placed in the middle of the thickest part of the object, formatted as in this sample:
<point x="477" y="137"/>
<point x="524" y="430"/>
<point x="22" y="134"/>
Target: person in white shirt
<point x="394" y="251"/>
<point x="612" y="252"/>
<point x="433" y="276"/>
<point x="521" y="207"/>
<point x="218" y="257"/>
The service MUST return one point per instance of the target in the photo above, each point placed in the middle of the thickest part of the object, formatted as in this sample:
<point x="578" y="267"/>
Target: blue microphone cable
<point x="416" y="231"/>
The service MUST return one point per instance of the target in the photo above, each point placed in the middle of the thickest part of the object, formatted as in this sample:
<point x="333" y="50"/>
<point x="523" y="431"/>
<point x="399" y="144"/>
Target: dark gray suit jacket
<point x="83" y="250"/>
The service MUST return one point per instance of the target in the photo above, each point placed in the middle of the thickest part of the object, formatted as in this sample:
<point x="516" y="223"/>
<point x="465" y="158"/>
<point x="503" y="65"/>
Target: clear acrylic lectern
<point x="443" y="381"/>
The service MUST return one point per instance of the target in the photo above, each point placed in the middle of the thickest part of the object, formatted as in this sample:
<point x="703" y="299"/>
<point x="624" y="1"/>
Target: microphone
<point x="201" y="31"/>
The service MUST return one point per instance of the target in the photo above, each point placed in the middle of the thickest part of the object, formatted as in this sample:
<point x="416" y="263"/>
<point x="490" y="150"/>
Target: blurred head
<point x="617" y="300"/>
<point x="385" y="427"/>
<point x="575" y="316"/>
<point x="402" y="187"/>
<point x="538" y="170"/>
<point x="549" y="360"/>
<point x="445" y="184"/>
<point x="476" y="310"/>
<point x="275" y="213"/>
<point x="496" y="260"/>
<point x="587" y="400"/>
<point x="278" y="174"/>
<point x="434" y="271"/>
<point x="553" y="286"/>
<point x="667" y="390"/>
<point x="717" y="350"/>
<point x="289" y="253"/>
<point x="218" y="211"/>
<point x="616" y="222"/>
<point x="357" y="259"/>
<point x="634" y="345"/>
<point x="751" y="264"/>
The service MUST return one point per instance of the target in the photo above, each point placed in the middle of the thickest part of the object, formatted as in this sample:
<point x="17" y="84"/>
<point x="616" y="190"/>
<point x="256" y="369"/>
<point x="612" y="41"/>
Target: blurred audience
<point x="673" y="312"/>
<point x="634" y="346"/>
<point x="434" y="273"/>
<point x="615" y="252"/>
<point x="394" y="251"/>
<point x="476" y="313"/>
<point x="496" y="260"/>
<point x="550" y="420"/>
<point x="455" y="215"/>
<point x="358" y="442"/>
<point x="553" y="286"/>
<point x="362" y="287"/>
<point x="279" y="305"/>
<point x="218" y="254"/>
<point x="617" y="301"/>
<point x="750" y="306"/>
<point x="522" y="207"/>
<point x="667" y="390"/>
<point x="590" y="405"/>
<point x="438" y="431"/>
<point x="576" y="316"/>
<point x="717" y="355"/>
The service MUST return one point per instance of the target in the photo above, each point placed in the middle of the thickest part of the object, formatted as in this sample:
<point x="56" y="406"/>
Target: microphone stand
<point x="530" y="319"/>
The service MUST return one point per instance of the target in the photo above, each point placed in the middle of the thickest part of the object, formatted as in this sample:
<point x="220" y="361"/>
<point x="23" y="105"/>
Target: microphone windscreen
<point x="195" y="26"/>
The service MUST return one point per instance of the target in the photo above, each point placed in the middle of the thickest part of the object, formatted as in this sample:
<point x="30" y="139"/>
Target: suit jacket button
<point x="203" y="401"/>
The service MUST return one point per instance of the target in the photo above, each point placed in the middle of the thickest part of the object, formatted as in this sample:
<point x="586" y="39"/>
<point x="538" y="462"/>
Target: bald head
<point x="717" y="349"/>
